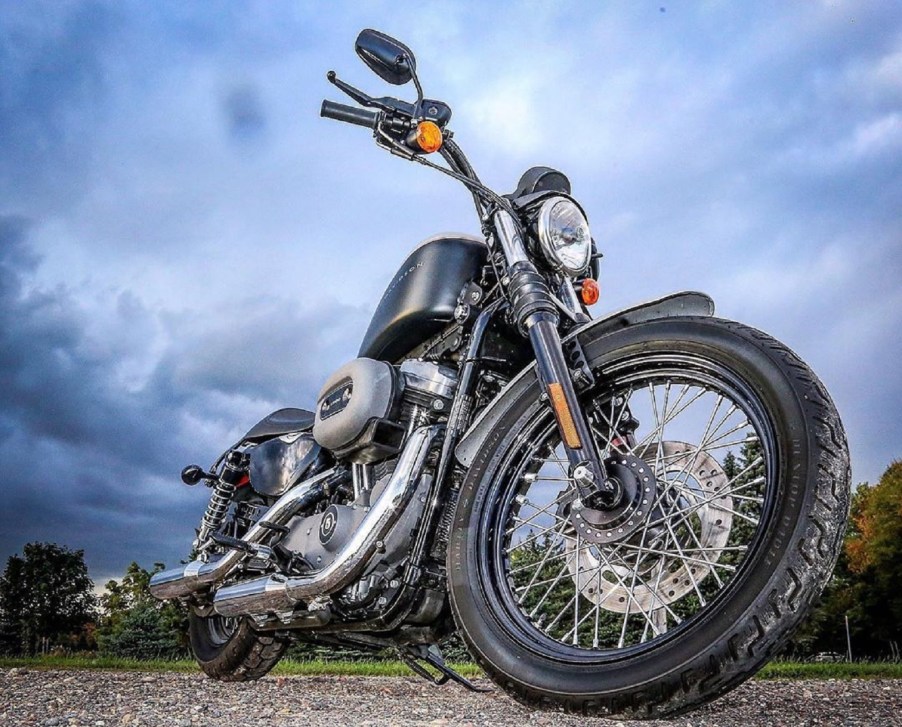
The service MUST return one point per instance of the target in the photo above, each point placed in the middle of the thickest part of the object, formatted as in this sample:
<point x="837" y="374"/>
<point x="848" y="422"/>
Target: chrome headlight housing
<point x="564" y="236"/>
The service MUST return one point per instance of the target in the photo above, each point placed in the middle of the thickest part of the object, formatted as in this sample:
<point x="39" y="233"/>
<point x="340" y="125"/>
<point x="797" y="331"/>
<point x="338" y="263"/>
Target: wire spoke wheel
<point x="674" y="546"/>
<point x="735" y="479"/>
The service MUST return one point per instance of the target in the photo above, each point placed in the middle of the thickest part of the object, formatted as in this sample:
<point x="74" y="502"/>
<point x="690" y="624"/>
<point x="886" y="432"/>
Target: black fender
<point x="676" y="305"/>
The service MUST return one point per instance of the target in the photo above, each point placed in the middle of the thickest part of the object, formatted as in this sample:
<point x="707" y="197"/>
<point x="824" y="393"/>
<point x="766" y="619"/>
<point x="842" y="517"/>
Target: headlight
<point x="564" y="235"/>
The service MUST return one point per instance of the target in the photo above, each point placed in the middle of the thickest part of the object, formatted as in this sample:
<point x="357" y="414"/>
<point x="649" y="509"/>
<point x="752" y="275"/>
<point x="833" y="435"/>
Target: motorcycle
<point x="620" y="516"/>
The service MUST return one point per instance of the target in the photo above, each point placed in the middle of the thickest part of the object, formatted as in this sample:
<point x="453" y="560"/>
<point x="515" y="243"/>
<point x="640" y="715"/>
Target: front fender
<point x="670" y="306"/>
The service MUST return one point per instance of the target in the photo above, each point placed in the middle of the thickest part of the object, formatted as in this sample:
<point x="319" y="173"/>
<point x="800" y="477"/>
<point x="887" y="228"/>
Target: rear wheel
<point x="228" y="649"/>
<point x="735" y="469"/>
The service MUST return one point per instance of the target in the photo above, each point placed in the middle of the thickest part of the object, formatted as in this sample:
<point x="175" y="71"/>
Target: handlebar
<point x="349" y="114"/>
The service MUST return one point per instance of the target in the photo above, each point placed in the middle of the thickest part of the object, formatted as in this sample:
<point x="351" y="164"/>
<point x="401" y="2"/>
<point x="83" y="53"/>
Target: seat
<point x="283" y="421"/>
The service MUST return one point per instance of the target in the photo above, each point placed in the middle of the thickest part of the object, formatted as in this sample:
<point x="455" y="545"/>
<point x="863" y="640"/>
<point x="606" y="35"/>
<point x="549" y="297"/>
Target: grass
<point x="840" y="670"/>
<point x="287" y="667"/>
<point x="774" y="670"/>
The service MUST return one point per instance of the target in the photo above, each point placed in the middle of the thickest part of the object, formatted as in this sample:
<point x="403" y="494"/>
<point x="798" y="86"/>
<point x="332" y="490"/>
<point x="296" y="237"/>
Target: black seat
<point x="283" y="421"/>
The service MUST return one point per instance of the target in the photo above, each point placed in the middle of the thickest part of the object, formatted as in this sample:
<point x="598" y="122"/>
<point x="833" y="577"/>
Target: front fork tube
<point x="586" y="467"/>
<point x="536" y="314"/>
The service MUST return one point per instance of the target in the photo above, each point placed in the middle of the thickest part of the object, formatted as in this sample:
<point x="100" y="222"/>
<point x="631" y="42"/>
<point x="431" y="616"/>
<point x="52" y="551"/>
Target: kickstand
<point x="412" y="655"/>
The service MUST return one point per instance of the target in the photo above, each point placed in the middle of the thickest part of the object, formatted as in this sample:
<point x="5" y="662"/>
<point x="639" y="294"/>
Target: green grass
<point x="855" y="670"/>
<point x="288" y="667"/>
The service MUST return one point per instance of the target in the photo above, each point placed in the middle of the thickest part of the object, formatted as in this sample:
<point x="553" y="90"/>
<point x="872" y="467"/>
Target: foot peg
<point x="227" y="541"/>
<point x="413" y="655"/>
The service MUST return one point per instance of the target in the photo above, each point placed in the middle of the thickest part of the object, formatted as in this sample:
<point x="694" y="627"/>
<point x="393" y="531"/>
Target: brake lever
<point x="356" y="94"/>
<point x="392" y="105"/>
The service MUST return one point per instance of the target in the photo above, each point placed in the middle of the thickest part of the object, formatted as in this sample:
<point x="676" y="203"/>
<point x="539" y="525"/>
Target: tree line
<point x="48" y="605"/>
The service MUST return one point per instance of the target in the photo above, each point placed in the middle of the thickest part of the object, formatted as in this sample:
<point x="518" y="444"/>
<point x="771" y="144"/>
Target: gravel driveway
<point x="105" y="698"/>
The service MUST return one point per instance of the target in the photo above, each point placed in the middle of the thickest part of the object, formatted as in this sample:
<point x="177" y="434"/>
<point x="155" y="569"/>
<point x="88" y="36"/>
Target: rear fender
<point x="677" y="305"/>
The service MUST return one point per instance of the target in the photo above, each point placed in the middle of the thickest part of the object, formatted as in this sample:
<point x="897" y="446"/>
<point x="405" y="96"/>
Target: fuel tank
<point x="421" y="298"/>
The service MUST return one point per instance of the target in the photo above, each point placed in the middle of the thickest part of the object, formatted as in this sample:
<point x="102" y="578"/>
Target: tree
<point x="46" y="597"/>
<point x="137" y="626"/>
<point x="874" y="553"/>
<point x="864" y="586"/>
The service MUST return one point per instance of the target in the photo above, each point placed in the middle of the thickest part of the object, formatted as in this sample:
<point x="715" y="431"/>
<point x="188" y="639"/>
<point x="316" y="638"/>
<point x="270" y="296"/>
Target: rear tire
<point x="230" y="650"/>
<point x="723" y="640"/>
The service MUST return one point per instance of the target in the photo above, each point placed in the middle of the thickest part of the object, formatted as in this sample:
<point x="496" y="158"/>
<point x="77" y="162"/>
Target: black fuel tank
<point x="421" y="298"/>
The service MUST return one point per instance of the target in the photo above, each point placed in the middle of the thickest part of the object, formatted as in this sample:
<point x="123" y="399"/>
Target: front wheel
<point x="735" y="471"/>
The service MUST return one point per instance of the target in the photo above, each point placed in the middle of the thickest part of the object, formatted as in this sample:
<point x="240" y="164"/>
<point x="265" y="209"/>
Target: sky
<point x="185" y="245"/>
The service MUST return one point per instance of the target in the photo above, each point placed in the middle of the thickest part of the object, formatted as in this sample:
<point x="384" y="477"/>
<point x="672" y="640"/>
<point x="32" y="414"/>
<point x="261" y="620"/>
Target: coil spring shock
<point x="236" y="464"/>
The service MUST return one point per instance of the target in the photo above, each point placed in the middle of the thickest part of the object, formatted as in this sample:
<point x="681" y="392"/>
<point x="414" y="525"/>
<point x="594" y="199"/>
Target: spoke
<point x="557" y="528"/>
<point x="685" y="512"/>
<point x="539" y="511"/>
<point x="655" y="551"/>
<point x="598" y="605"/>
<point x="576" y="600"/>
<point x="716" y="495"/>
<point x="681" y="556"/>
<point x="735" y="429"/>
<point x="746" y="498"/>
<point x="657" y="586"/>
<point x="691" y="463"/>
<point x="550" y="589"/>
<point x="557" y="556"/>
<point x="676" y="412"/>
<point x="631" y="595"/>
<point x="659" y="426"/>
<point x="532" y="583"/>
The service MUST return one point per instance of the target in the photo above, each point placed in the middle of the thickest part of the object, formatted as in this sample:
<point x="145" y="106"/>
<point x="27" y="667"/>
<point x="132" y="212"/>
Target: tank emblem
<point x="402" y="276"/>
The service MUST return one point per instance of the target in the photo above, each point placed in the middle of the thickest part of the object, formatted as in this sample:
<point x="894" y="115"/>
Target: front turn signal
<point x="589" y="292"/>
<point x="429" y="136"/>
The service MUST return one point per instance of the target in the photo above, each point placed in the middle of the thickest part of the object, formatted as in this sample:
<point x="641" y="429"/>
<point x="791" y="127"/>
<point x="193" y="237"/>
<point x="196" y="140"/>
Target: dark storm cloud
<point x="50" y="83"/>
<point x="91" y="459"/>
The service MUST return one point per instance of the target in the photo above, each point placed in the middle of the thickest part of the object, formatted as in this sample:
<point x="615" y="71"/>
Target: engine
<point x="366" y="407"/>
<point x="364" y="413"/>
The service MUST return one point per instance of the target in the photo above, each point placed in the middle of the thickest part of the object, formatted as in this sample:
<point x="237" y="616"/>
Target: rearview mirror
<point x="388" y="58"/>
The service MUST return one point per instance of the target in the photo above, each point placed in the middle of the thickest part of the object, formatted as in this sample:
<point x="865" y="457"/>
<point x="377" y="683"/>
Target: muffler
<point x="198" y="574"/>
<point x="279" y="594"/>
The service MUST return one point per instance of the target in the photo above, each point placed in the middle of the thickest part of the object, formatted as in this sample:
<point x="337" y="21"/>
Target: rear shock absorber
<point x="233" y="471"/>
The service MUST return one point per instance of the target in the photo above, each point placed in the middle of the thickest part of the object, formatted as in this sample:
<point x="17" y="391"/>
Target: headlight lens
<point x="564" y="236"/>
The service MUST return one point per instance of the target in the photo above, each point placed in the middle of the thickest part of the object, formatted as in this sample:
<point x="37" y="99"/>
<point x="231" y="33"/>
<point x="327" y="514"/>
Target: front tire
<point x="229" y="650"/>
<point x="677" y="600"/>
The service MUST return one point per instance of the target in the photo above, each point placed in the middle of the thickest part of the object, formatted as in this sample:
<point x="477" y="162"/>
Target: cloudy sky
<point x="185" y="245"/>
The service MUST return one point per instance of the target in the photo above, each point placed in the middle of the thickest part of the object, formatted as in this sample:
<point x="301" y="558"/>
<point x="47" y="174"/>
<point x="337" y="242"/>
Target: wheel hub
<point x="637" y="484"/>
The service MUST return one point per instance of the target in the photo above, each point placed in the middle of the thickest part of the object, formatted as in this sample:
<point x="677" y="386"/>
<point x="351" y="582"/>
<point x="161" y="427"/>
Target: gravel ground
<point x="107" y="698"/>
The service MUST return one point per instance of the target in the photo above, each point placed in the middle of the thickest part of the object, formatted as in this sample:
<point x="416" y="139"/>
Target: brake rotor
<point x="659" y="564"/>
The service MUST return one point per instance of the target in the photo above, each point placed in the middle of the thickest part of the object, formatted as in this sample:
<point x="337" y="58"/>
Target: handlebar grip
<point x="349" y="114"/>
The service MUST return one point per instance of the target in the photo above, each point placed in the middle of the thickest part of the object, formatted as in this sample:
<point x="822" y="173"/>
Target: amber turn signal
<point x="429" y="136"/>
<point x="590" y="292"/>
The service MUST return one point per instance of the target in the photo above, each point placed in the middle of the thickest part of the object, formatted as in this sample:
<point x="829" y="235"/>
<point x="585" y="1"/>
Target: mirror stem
<point x="413" y="75"/>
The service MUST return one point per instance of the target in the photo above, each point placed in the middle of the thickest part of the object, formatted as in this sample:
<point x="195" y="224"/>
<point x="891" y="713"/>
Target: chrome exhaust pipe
<point x="279" y="594"/>
<point x="183" y="581"/>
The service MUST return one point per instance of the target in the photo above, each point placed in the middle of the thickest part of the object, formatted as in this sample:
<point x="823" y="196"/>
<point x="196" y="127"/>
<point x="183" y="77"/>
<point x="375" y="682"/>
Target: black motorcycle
<point x="627" y="515"/>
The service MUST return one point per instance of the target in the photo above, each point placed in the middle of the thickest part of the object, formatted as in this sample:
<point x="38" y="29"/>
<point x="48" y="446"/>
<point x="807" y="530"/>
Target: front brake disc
<point x="674" y="550"/>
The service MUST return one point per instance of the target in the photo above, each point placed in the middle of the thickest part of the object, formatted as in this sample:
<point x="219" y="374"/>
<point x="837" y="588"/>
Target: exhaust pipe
<point x="277" y="593"/>
<point x="183" y="581"/>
